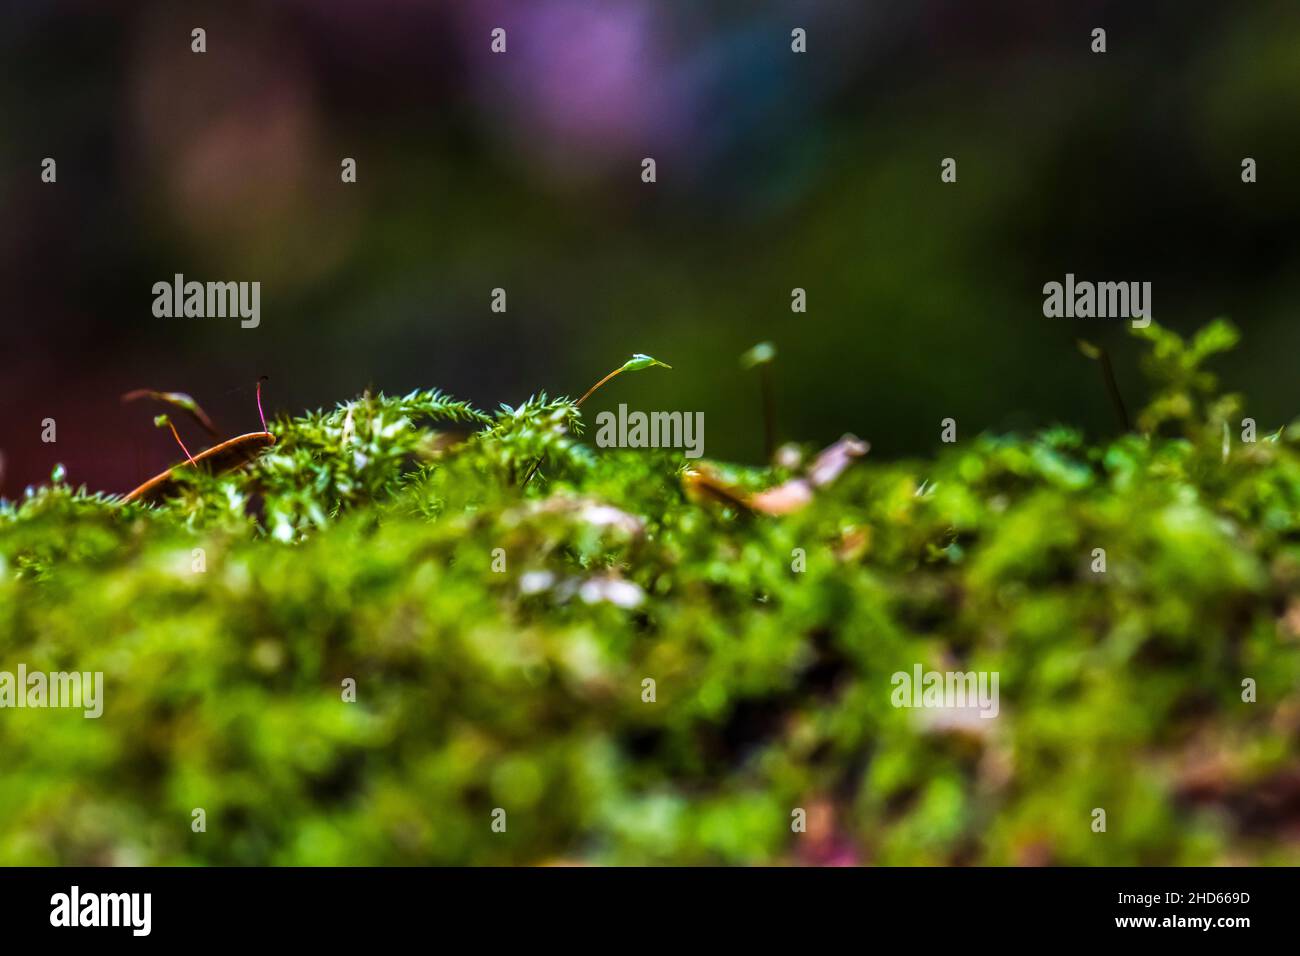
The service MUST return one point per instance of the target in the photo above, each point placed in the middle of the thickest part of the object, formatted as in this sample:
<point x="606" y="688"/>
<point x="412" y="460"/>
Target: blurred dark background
<point x="522" y="171"/>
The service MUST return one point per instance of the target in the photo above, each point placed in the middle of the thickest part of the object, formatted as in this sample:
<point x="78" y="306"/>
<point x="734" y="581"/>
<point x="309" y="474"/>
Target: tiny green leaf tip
<point x="760" y="354"/>
<point x="640" y="360"/>
<point x="161" y="421"/>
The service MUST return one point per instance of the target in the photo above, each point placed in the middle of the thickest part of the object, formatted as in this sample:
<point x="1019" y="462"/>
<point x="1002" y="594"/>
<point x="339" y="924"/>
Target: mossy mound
<point x="499" y="633"/>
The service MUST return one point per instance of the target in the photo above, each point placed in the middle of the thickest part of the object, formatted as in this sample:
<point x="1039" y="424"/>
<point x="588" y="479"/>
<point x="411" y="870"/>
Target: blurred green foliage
<point x="363" y="545"/>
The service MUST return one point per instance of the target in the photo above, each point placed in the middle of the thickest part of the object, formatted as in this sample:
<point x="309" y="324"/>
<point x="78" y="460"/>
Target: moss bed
<point x="499" y="631"/>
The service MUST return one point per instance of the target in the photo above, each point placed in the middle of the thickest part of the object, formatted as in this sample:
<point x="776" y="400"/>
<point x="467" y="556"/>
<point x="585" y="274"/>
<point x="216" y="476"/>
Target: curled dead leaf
<point x="702" y="483"/>
<point x="787" y="497"/>
<point x="833" y="459"/>
<point x="227" y="456"/>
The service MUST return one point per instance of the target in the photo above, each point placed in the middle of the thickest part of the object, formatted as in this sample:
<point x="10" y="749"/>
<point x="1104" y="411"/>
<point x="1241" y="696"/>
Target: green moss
<point x="362" y="545"/>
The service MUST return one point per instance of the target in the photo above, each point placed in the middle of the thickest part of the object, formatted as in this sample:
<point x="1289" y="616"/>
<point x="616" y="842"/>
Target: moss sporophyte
<point x="636" y="363"/>
<point x="365" y="632"/>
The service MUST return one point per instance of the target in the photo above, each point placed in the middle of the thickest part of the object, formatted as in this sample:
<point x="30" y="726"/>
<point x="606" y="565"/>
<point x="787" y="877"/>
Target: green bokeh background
<point x="520" y="171"/>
